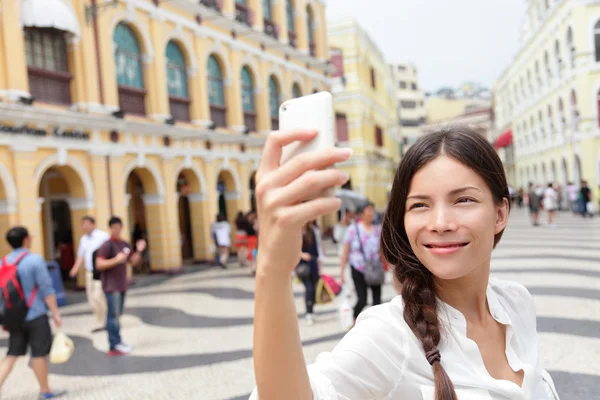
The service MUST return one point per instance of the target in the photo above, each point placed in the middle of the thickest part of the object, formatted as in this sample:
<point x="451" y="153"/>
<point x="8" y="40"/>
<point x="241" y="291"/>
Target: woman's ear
<point x="502" y="212"/>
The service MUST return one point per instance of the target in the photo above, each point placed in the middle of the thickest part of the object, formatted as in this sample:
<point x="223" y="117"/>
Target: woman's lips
<point x="443" y="249"/>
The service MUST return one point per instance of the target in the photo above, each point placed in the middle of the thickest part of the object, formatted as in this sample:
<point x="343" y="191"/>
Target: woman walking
<point x="455" y="333"/>
<point x="361" y="244"/>
<point x="550" y="203"/>
<point x="310" y="257"/>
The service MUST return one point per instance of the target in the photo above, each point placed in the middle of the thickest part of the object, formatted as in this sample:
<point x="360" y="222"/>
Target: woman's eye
<point x="416" y="205"/>
<point x="466" y="200"/>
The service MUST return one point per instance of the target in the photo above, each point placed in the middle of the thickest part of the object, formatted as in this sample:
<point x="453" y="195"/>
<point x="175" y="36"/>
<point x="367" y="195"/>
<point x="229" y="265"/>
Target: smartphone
<point x="314" y="111"/>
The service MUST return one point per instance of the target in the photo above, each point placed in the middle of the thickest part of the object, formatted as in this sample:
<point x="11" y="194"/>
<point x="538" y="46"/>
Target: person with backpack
<point x="362" y="252"/>
<point x="111" y="260"/>
<point x="90" y="242"/>
<point x="27" y="295"/>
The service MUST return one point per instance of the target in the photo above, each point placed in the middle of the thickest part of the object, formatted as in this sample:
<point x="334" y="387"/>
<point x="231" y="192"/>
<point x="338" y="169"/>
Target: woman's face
<point x="451" y="218"/>
<point x="368" y="214"/>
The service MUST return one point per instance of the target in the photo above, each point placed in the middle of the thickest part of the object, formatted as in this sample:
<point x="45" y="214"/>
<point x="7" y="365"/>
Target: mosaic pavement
<point x="192" y="333"/>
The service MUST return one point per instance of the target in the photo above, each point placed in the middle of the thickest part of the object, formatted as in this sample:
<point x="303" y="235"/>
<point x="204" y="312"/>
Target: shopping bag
<point x="62" y="348"/>
<point x="590" y="207"/>
<point x="345" y="310"/>
<point x="324" y="293"/>
<point x="335" y="287"/>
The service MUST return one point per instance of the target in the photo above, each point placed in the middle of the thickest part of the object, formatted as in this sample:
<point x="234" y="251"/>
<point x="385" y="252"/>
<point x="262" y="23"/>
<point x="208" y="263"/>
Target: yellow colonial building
<point x="154" y="111"/>
<point x="546" y="102"/>
<point x="366" y="110"/>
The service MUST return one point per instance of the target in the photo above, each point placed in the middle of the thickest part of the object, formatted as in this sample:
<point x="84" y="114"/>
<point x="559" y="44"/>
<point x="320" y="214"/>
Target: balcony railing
<point x="243" y="14"/>
<point x="132" y="100"/>
<point x="312" y="47"/>
<point x="271" y="28"/>
<point x="180" y="108"/>
<point x="50" y="86"/>
<point x="216" y="5"/>
<point x="218" y="115"/>
<point x="274" y="123"/>
<point x="292" y="37"/>
<point x="250" y="121"/>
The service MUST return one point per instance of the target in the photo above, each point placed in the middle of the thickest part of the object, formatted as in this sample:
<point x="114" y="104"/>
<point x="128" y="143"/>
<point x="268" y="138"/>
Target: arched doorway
<point x="544" y="175"/>
<point x="142" y="192"/>
<point x="185" y="217"/>
<point x="535" y="175"/>
<point x="252" y="191"/>
<point x="62" y="196"/>
<point x="553" y="172"/>
<point x="191" y="219"/>
<point x="8" y="205"/>
<point x="577" y="169"/>
<point x="229" y="195"/>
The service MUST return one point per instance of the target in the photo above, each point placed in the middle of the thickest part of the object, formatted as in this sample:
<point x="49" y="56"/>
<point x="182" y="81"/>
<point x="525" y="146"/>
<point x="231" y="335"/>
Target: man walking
<point x="34" y="332"/>
<point x="112" y="259"/>
<point x="90" y="241"/>
<point x="534" y="204"/>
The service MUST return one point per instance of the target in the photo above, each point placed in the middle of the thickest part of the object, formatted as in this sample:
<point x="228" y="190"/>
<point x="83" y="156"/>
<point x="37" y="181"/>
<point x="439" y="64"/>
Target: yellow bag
<point x="62" y="348"/>
<point x="324" y="293"/>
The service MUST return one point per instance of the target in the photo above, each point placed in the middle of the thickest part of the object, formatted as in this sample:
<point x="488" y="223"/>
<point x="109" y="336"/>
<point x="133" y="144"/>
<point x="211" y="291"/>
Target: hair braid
<point x="420" y="313"/>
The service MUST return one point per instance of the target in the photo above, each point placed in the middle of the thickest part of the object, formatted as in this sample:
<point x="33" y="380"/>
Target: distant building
<point x="411" y="101"/>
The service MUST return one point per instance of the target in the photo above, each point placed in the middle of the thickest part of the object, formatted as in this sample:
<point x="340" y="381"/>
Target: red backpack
<point x="13" y="306"/>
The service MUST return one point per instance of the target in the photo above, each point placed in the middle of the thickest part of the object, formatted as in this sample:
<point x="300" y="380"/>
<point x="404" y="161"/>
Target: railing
<point x="292" y="37"/>
<point x="243" y="14"/>
<point x="274" y="123"/>
<point x="50" y="86"/>
<point x="271" y="28"/>
<point x="132" y="100"/>
<point x="180" y="108"/>
<point x="216" y="5"/>
<point x="250" y="121"/>
<point x="218" y="115"/>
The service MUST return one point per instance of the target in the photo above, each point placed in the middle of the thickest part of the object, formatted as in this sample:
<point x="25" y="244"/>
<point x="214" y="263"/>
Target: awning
<point x="49" y="14"/>
<point x="504" y="140"/>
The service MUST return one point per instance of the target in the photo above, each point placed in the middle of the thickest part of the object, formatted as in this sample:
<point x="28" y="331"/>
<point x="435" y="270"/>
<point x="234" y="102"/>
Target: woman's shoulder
<point x="384" y="321"/>
<point x="515" y="298"/>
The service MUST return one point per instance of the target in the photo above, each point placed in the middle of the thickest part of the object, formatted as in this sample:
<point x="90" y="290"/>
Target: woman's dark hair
<point x="240" y="221"/>
<point x="364" y="206"/>
<point x="418" y="292"/>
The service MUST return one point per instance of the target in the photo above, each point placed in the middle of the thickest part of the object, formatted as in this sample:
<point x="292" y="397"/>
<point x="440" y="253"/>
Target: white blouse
<point x="380" y="358"/>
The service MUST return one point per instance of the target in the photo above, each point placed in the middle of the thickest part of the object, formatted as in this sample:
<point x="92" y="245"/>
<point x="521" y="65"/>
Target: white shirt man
<point x="89" y="242"/>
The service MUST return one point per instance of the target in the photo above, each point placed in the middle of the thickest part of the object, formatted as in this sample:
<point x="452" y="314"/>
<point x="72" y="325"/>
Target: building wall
<point x="411" y="100"/>
<point x="559" y="146"/>
<point x="372" y="167"/>
<point x="91" y="171"/>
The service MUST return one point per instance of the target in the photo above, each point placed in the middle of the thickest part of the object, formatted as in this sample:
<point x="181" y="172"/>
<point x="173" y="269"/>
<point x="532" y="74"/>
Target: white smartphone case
<point x="314" y="111"/>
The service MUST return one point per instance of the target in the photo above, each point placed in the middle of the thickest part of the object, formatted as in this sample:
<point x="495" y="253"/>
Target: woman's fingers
<point x="271" y="157"/>
<point x="311" y="185"/>
<point x="304" y="162"/>
<point x="300" y="214"/>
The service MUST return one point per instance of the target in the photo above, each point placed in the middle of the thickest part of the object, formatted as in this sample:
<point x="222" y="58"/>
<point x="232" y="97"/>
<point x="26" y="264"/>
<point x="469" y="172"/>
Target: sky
<point x="450" y="41"/>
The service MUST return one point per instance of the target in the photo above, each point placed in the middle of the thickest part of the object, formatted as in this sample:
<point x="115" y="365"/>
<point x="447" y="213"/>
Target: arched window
<point x="267" y="10"/>
<point x="538" y="77"/>
<point x="547" y="66"/>
<point x="561" y="114"/>
<point x="291" y="26"/>
<point x="558" y="59"/>
<point x="597" y="40"/>
<point x="571" y="47"/>
<point x="296" y="92"/>
<point x="270" y="28"/>
<point x="310" y="25"/>
<point x="541" y="125"/>
<point x="550" y="121"/>
<point x="47" y="65"/>
<point x="274" y="102"/>
<point x="574" y="111"/>
<point x="177" y="83"/>
<point x="128" y="65"/>
<point x="216" y="92"/>
<point x="248" y="100"/>
<point x="532" y="129"/>
<point x="529" y="82"/>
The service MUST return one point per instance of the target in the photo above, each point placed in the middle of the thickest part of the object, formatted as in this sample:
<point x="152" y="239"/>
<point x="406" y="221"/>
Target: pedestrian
<point x="34" y="332"/>
<point x="361" y="244"/>
<point x="339" y="231"/>
<point x="550" y="203"/>
<point x="90" y="241"/>
<point x="534" y="204"/>
<point x="310" y="255"/>
<point x="111" y="260"/>
<point x="585" y="200"/>
<point x="454" y="333"/>
<point x="221" y="232"/>
<point x="521" y="197"/>
<point x="241" y="239"/>
<point x="573" y="196"/>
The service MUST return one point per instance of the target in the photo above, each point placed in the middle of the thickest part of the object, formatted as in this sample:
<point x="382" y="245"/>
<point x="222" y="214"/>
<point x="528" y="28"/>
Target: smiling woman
<point x="453" y="334"/>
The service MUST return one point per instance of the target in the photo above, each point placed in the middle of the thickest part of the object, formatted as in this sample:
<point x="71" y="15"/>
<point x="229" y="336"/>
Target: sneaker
<point x="310" y="319"/>
<point x="116" y="353"/>
<point x="99" y="329"/>
<point x="124" y="348"/>
<point x="53" y="395"/>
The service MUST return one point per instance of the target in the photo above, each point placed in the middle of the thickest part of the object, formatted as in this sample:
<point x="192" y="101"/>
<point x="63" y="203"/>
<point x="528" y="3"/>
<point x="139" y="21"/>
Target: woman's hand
<point x="290" y="195"/>
<point x="306" y="257"/>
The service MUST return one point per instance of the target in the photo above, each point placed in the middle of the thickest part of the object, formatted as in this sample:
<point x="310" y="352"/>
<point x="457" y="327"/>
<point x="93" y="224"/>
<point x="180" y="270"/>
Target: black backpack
<point x="13" y="305"/>
<point x="95" y="271"/>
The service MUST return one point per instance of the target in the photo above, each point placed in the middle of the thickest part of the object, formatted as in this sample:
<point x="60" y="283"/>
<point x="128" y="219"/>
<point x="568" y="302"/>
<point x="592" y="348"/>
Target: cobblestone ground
<point x="192" y="333"/>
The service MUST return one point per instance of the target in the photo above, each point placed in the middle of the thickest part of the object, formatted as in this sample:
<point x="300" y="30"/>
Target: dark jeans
<point x="114" y="302"/>
<point x="311" y="291"/>
<point x="361" y="291"/>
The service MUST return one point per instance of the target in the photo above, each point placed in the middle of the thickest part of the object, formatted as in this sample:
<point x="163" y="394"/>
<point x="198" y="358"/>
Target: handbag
<point x="374" y="272"/>
<point x="302" y="271"/>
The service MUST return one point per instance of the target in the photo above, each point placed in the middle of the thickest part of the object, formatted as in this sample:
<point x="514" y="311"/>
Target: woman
<point x="550" y="203"/>
<point x="454" y="332"/>
<point x="241" y="239"/>
<point x="310" y="256"/>
<point x="361" y="240"/>
<point x="221" y="231"/>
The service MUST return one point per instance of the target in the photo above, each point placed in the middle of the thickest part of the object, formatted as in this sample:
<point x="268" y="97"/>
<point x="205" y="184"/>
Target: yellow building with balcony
<point x="546" y="102"/>
<point x="154" y="111"/>
<point x="366" y="110"/>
